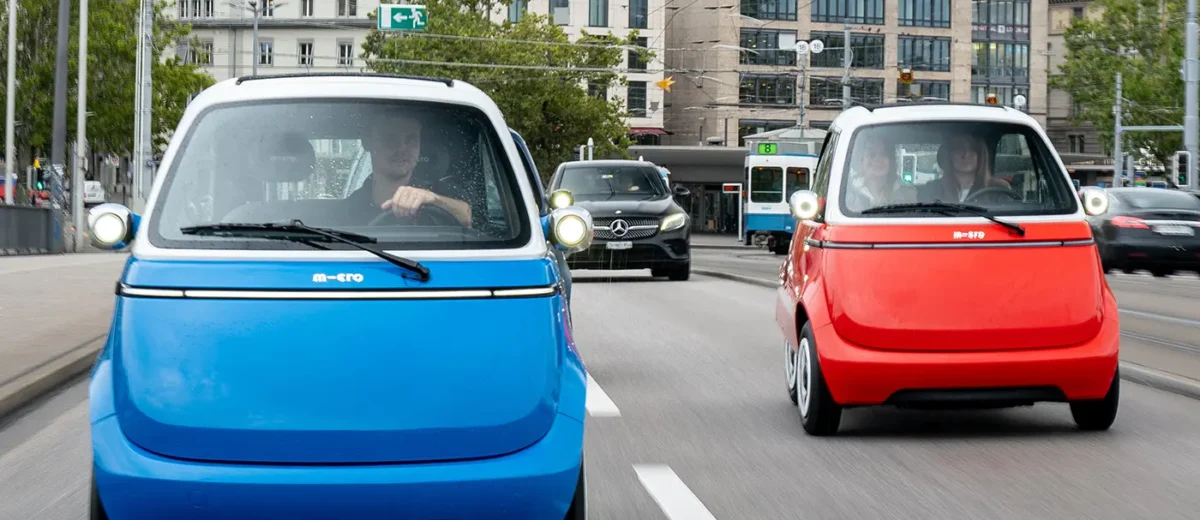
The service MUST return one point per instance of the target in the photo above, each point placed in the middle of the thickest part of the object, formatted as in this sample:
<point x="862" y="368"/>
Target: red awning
<point x="647" y="131"/>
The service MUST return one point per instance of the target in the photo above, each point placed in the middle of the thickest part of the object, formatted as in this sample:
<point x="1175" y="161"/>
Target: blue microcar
<point x="284" y="347"/>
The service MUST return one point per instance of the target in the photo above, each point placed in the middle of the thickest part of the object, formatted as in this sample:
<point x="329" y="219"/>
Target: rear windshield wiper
<point x="298" y="232"/>
<point x="947" y="208"/>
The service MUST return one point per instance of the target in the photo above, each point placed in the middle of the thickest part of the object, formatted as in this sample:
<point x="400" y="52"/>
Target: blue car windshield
<point x="299" y="159"/>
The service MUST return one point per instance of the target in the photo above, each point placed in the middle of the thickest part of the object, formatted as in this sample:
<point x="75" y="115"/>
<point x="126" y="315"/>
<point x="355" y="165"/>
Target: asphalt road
<point x="1160" y="317"/>
<point x="690" y="420"/>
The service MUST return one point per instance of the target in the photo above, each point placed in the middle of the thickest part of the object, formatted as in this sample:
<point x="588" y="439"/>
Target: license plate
<point x="619" y="245"/>
<point x="1180" y="231"/>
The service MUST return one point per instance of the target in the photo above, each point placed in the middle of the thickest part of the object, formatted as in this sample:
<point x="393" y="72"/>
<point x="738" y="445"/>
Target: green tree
<point x="1143" y="40"/>
<point x="540" y="87"/>
<point x="112" y="56"/>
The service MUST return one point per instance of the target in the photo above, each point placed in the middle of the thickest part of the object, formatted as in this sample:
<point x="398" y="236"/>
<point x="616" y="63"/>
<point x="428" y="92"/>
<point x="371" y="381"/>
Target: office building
<point x="1085" y="155"/>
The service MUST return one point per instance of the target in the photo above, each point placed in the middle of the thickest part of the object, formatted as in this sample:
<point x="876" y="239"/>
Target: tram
<point x="770" y="178"/>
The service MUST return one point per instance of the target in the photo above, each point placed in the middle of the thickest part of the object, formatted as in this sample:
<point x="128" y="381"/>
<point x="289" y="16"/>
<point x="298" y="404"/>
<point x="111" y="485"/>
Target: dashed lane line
<point x="672" y="495"/>
<point x="598" y="403"/>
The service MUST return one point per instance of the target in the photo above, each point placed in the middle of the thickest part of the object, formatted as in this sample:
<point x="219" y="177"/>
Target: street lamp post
<point x="257" y="7"/>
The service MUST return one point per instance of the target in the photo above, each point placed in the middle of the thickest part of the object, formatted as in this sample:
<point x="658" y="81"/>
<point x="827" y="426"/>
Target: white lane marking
<point x="672" y="495"/>
<point x="598" y="403"/>
<point x="1160" y="317"/>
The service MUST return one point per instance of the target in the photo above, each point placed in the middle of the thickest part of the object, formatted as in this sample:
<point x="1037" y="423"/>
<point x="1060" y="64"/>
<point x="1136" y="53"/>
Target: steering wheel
<point x="430" y="213"/>
<point x="1001" y="190"/>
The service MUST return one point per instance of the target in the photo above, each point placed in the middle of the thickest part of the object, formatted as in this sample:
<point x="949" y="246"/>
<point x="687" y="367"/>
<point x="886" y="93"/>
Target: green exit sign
<point x="401" y="17"/>
<point x="767" y="148"/>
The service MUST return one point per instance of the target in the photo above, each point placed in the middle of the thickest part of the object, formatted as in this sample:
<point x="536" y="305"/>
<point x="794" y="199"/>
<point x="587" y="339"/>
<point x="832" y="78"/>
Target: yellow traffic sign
<point x="37" y="163"/>
<point x="666" y="83"/>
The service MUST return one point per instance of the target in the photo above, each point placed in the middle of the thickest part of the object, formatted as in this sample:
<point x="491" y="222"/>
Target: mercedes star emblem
<point x="619" y="228"/>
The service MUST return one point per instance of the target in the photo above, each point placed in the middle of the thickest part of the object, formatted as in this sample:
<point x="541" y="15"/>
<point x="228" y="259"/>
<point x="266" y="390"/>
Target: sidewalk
<point x="56" y="310"/>
<point x="709" y="241"/>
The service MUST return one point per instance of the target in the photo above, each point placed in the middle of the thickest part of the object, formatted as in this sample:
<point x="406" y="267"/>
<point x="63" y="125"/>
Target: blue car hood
<point x="337" y="380"/>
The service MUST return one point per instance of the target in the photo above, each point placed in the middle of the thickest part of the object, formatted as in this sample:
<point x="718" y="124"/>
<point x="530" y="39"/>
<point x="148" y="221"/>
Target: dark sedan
<point x="637" y="223"/>
<point x="1153" y="229"/>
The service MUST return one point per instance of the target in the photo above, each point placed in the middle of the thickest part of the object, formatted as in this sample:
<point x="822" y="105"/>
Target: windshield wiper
<point x="297" y="231"/>
<point x="948" y="208"/>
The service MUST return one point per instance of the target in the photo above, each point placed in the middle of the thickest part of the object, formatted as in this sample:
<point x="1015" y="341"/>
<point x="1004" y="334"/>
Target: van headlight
<point x="673" y="222"/>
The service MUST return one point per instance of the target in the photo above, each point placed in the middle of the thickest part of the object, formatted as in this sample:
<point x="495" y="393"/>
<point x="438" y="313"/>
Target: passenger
<point x="395" y="146"/>
<point x="874" y="181"/>
<point x="965" y="170"/>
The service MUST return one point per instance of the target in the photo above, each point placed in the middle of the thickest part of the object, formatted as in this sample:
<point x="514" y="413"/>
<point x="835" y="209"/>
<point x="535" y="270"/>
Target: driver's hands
<point x="407" y="200"/>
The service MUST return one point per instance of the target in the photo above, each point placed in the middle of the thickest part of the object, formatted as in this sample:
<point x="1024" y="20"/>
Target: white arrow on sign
<point x="399" y="17"/>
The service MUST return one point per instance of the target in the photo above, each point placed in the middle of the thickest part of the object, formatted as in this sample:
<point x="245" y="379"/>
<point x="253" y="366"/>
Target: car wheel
<point x="95" y="509"/>
<point x="578" y="510"/>
<point x="791" y="358"/>
<point x="1160" y="273"/>
<point x="681" y="273"/>
<point x="819" y="414"/>
<point x="1098" y="414"/>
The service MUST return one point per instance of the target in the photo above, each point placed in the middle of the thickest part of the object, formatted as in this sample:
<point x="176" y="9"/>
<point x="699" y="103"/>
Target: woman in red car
<point x="963" y="161"/>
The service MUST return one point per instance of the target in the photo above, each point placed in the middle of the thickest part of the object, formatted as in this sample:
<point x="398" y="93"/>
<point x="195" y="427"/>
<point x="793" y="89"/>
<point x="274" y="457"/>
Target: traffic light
<point x="41" y="178"/>
<point x="906" y="76"/>
<point x="1181" y="165"/>
<point x="991" y="99"/>
<point x="908" y="164"/>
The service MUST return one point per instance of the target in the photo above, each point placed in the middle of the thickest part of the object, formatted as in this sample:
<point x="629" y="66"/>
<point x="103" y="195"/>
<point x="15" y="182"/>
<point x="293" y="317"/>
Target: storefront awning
<point x="648" y="131"/>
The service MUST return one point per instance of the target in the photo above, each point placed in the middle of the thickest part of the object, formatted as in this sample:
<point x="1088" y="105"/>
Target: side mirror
<point x="571" y="229"/>
<point x="110" y="226"/>
<point x="681" y="191"/>
<point x="804" y="204"/>
<point x="1095" y="201"/>
<point x="561" y="199"/>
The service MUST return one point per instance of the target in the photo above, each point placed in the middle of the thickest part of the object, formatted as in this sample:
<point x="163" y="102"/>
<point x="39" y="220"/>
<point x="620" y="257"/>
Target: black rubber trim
<point x="948" y="245"/>
<point x="976" y="397"/>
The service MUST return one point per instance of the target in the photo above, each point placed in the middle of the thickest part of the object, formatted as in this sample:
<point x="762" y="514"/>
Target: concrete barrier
<point x="26" y="230"/>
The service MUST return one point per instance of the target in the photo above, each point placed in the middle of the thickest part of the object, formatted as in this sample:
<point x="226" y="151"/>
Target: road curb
<point x="1132" y="372"/>
<point x="1160" y="380"/>
<point x="761" y="282"/>
<point x="731" y="247"/>
<point x="50" y="375"/>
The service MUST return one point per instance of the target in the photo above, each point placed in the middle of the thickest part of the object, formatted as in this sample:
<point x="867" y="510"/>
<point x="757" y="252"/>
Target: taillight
<point x="1129" y="222"/>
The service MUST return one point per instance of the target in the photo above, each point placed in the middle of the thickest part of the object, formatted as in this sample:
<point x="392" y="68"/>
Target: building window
<point x="306" y="54"/>
<point x="345" y="53"/>
<point x="923" y="53"/>
<point x="195" y="8"/>
<point x="560" y="5"/>
<point x="639" y="14"/>
<point x="767" y="51"/>
<point x="199" y="52"/>
<point x="867" y="12"/>
<point x="925" y="13"/>
<point x="636" y="58"/>
<point x="598" y="13"/>
<point x="748" y="127"/>
<point x="924" y="89"/>
<point x="636" y="99"/>
<point x="516" y="9"/>
<point x="769" y="9"/>
<point x="347" y="7"/>
<point x="866" y="50"/>
<point x="1077" y="13"/>
<point x="1000" y="62"/>
<point x="306" y="7"/>
<point x="1000" y="20"/>
<point x="827" y="91"/>
<point x="598" y="90"/>
<point x="767" y="89"/>
<point x="268" y="8"/>
<point x="1004" y="94"/>
<point x="266" y="52"/>
<point x="1075" y="143"/>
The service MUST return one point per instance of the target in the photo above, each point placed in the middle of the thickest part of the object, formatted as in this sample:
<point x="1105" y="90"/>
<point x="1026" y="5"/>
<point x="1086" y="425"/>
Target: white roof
<point x="911" y="112"/>
<point x="370" y="86"/>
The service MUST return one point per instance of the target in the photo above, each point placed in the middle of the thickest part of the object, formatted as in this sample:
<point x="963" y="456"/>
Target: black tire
<point x="578" y="510"/>
<point x="781" y="247"/>
<point x="823" y="415"/>
<point x="681" y="273"/>
<point x="95" y="509"/>
<point x="1160" y="273"/>
<point x="1098" y="414"/>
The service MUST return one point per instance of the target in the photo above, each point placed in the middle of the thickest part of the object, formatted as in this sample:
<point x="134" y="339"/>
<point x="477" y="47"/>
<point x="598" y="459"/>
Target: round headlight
<point x="570" y="230"/>
<point x="1095" y="201"/>
<point x="108" y="228"/>
<point x="561" y="199"/>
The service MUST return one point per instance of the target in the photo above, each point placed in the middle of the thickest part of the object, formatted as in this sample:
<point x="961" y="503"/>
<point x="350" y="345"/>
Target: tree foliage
<point x="540" y="87"/>
<point x="112" y="57"/>
<point x="1143" y="40"/>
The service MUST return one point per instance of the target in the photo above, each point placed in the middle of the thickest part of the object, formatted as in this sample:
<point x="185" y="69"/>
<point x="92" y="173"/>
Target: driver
<point x="964" y="163"/>
<point x="395" y="147"/>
